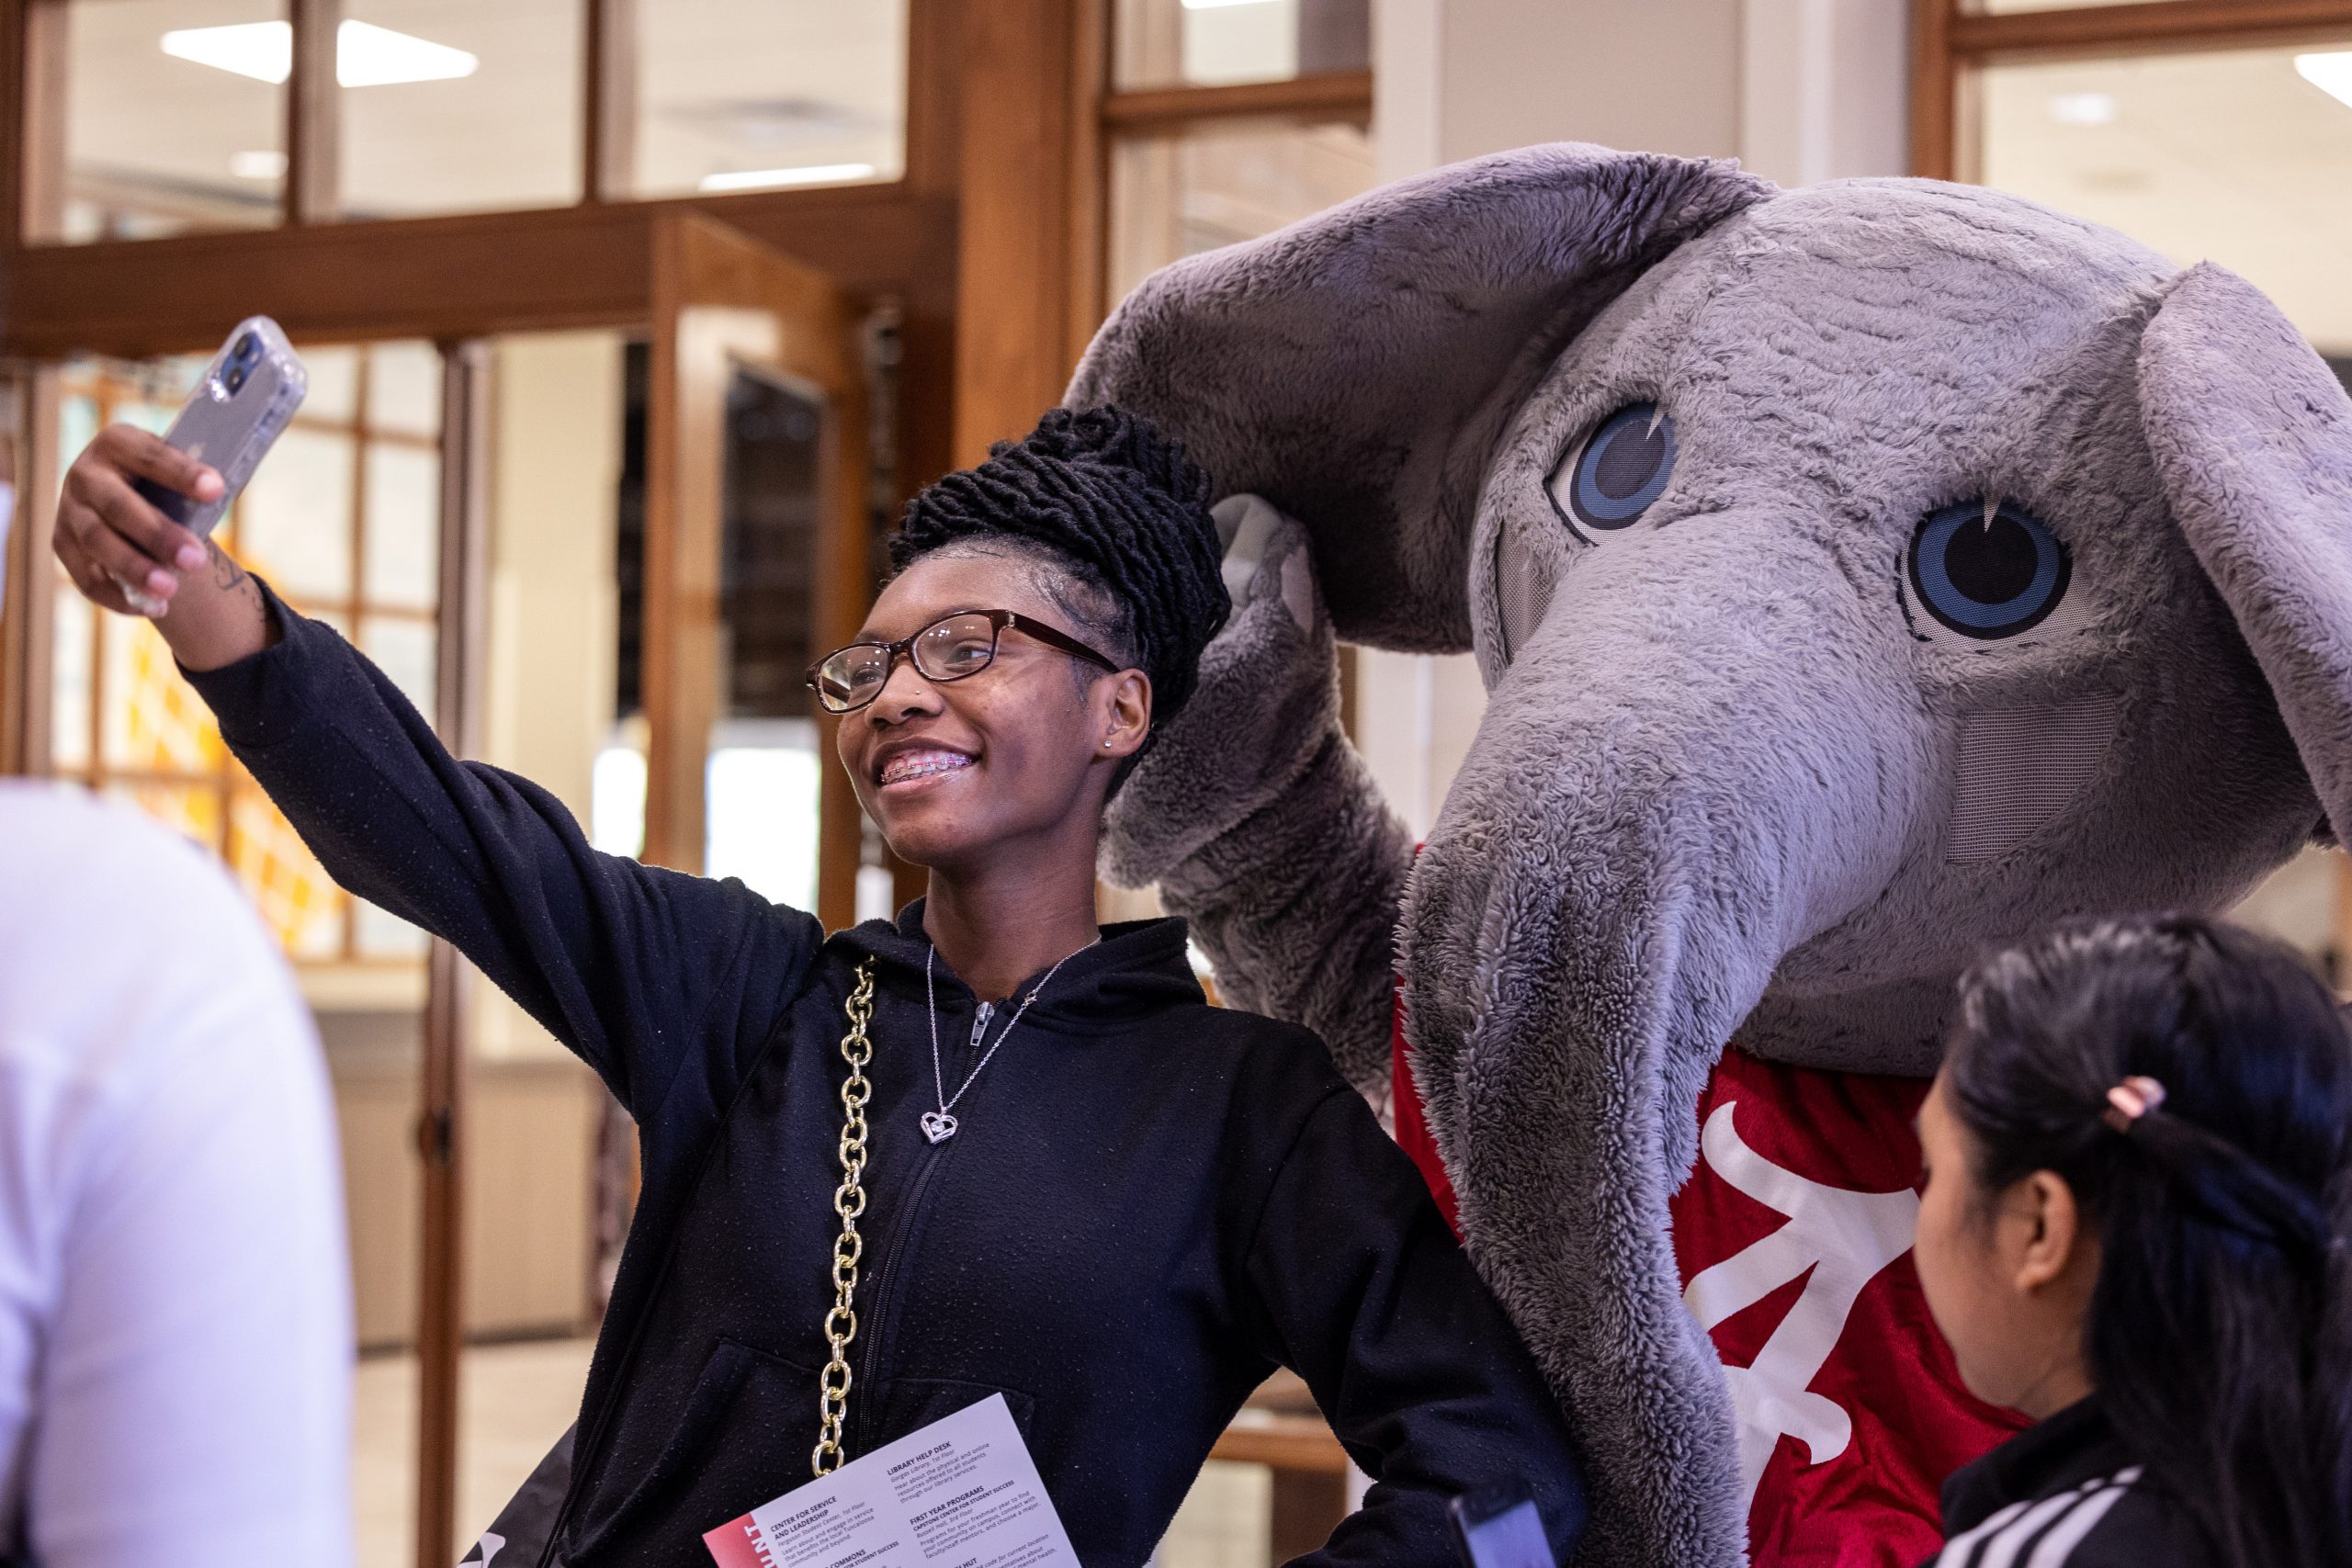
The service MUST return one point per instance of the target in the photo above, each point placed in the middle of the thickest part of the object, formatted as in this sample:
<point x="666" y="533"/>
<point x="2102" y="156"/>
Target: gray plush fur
<point x="1729" y="781"/>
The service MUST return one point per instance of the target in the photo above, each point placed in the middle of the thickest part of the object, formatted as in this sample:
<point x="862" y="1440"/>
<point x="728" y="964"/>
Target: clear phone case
<point x="241" y="405"/>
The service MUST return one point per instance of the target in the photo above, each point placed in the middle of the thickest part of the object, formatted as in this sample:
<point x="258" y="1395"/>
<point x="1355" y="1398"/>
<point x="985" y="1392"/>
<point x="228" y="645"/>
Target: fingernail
<point x="161" y="583"/>
<point x="190" y="557"/>
<point x="209" y="483"/>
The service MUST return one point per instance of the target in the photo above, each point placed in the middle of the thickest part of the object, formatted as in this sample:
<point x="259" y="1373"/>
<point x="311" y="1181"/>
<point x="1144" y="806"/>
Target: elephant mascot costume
<point x="1859" y="575"/>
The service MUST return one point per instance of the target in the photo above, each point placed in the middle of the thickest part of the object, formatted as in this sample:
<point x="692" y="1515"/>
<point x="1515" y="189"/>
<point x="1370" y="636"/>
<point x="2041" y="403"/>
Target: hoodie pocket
<point x="907" y="1405"/>
<point x="742" y="1439"/>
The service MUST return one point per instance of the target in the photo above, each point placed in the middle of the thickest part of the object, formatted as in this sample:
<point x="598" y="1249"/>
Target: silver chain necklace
<point x="938" y="1125"/>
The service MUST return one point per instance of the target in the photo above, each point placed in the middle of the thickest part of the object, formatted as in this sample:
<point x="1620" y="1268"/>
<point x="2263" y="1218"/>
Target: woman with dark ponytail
<point x="2133" y="1231"/>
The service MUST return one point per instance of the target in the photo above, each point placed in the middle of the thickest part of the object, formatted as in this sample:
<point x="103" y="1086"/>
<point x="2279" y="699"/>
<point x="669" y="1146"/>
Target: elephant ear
<point x="2252" y="437"/>
<point x="1357" y="367"/>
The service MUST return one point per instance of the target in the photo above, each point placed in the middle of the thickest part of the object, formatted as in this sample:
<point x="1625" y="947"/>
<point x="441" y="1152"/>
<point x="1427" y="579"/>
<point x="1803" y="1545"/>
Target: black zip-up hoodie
<point x="1149" y="1205"/>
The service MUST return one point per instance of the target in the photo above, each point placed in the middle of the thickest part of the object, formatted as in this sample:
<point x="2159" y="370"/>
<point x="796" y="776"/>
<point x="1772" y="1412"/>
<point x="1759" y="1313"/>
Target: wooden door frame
<point x="1949" y="44"/>
<point x="26" y="604"/>
<point x="462" y="653"/>
<point x="814" y="339"/>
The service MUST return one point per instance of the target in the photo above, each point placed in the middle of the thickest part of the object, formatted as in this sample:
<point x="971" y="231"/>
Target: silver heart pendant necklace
<point x="939" y="1125"/>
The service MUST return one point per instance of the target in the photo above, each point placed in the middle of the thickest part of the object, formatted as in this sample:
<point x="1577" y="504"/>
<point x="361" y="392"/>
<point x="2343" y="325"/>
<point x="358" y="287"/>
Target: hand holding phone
<point x="238" y="409"/>
<point x="135" y="507"/>
<point x="122" y="553"/>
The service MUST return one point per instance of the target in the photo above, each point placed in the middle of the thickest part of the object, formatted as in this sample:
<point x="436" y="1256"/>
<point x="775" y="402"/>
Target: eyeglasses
<point x="950" y="649"/>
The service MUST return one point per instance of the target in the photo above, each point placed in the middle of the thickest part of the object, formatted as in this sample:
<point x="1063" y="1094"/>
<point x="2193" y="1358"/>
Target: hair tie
<point x="2130" y="1099"/>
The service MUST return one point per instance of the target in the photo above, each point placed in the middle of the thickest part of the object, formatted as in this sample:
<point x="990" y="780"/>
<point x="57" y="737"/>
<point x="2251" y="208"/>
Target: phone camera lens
<point x="235" y="379"/>
<point x="248" y="346"/>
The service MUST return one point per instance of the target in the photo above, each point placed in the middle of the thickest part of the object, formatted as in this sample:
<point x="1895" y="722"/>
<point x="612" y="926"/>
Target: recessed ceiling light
<point x="257" y="166"/>
<point x="806" y="174"/>
<point x="365" y="55"/>
<point x="2330" y="73"/>
<point x="368" y="56"/>
<point x="2082" y="109"/>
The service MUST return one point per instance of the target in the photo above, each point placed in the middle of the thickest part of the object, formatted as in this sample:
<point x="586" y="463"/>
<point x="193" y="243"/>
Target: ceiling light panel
<point x="2331" y="73"/>
<point x="770" y="179"/>
<point x="263" y="50"/>
<point x="2082" y="109"/>
<point x="365" y="55"/>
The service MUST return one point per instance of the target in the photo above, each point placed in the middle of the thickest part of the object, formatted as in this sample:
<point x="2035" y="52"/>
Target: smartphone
<point x="1498" y="1527"/>
<point x="241" y="405"/>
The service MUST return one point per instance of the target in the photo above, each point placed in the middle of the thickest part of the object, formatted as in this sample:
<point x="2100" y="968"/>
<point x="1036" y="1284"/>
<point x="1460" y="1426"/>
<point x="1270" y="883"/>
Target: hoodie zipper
<point x="878" y="1305"/>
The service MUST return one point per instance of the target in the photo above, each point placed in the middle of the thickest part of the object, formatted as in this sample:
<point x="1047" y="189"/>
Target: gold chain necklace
<point x="849" y="1203"/>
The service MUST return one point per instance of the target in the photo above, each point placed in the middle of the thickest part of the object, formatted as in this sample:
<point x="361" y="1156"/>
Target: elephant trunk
<point x="1664" y="797"/>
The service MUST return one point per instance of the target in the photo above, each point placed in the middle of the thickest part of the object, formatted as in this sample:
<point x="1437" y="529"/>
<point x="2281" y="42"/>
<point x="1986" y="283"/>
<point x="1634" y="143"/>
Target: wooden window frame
<point x="1103" y="113"/>
<point x="461" y="274"/>
<point x="226" y="780"/>
<point x="1108" y="112"/>
<point x="1949" y="44"/>
<point x="33" y="55"/>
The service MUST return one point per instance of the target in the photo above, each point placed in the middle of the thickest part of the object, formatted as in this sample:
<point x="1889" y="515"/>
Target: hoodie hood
<point x="1137" y="968"/>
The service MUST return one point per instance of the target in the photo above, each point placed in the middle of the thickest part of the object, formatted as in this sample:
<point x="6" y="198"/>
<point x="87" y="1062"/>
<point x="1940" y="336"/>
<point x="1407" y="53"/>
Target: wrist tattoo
<point x="226" y="572"/>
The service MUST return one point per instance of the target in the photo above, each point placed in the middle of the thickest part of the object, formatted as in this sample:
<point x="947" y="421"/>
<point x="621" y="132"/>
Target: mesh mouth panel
<point x="2022" y="767"/>
<point x="1523" y="591"/>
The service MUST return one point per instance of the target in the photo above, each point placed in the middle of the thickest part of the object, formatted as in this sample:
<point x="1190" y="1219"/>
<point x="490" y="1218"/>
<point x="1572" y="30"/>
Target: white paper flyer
<point x="962" y="1492"/>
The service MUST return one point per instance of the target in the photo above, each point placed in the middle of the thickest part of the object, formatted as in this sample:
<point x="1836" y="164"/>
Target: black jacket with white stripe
<point x="2066" y="1494"/>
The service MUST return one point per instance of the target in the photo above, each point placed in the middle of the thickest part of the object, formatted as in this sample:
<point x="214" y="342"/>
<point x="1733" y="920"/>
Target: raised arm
<point x="1369" y="1299"/>
<point x="1261" y="823"/>
<point x="644" y="973"/>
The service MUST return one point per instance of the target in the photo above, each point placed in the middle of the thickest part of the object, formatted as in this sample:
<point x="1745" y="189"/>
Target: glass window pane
<point x="334" y="383"/>
<point x="759" y="785"/>
<point x="1165" y="43"/>
<point x="71" y="637"/>
<point x="77" y="421"/>
<point x="1211" y="185"/>
<point x="454" y="105"/>
<point x="154" y="722"/>
<point x="175" y="116"/>
<point x="404" y="525"/>
<point x="787" y="93"/>
<point x="193" y="811"/>
<point x="2213" y="155"/>
<point x="379" y="933"/>
<point x="404" y="388"/>
<point x="297" y="899"/>
<point x="403" y="650"/>
<point x="293" y="520"/>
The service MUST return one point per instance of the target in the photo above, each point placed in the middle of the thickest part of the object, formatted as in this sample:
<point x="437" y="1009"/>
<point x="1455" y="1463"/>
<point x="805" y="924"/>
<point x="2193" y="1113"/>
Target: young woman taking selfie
<point x="2139" y="1156"/>
<point x="1074" y="1183"/>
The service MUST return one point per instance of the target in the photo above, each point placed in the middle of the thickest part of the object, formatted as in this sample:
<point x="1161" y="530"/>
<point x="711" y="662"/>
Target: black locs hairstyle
<point x="1117" y="506"/>
<point x="2220" y="1337"/>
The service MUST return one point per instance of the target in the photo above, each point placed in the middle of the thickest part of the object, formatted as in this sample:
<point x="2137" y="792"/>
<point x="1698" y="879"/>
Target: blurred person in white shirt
<point x="175" y="1300"/>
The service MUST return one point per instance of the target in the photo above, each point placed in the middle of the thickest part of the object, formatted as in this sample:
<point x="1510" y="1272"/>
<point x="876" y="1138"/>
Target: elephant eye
<point x="1988" y="573"/>
<point x="1609" y="478"/>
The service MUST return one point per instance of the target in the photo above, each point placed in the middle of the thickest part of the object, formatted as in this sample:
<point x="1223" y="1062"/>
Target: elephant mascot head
<point x="1859" y="575"/>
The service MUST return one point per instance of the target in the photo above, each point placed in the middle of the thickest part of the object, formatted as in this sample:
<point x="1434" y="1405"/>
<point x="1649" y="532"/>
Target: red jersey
<point x="1794" y="1237"/>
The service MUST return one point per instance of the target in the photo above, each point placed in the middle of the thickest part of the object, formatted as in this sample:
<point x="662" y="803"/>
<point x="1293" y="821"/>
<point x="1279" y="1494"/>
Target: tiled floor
<point x="516" y="1399"/>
